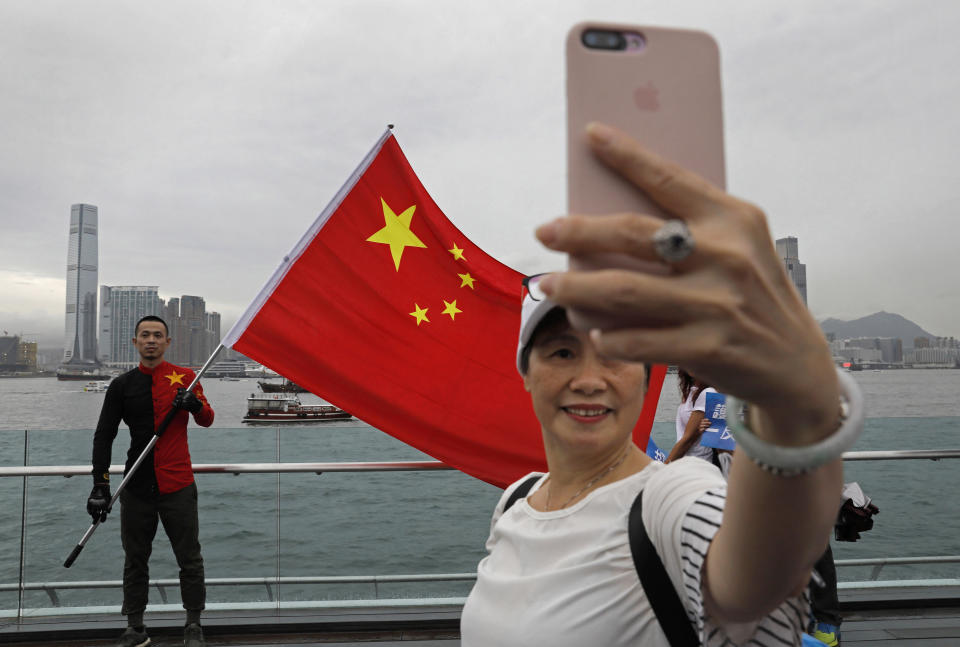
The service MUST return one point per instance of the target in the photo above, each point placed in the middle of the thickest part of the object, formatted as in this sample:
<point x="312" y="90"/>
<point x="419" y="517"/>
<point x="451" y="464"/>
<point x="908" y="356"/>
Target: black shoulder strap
<point x="520" y="492"/>
<point x="656" y="583"/>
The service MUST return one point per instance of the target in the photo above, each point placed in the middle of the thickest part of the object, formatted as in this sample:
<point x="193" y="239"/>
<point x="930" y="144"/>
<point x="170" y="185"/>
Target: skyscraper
<point x="787" y="249"/>
<point x="195" y="332"/>
<point x="80" y="340"/>
<point x="212" y="333"/>
<point x="121" y="307"/>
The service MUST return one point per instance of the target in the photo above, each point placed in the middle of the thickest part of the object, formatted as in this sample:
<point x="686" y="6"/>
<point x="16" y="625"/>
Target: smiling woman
<point x="567" y="562"/>
<point x="585" y="402"/>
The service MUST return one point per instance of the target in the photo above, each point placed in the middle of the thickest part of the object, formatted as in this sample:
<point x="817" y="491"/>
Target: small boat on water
<point x="95" y="387"/>
<point x="275" y="408"/>
<point x="77" y="375"/>
<point x="280" y="387"/>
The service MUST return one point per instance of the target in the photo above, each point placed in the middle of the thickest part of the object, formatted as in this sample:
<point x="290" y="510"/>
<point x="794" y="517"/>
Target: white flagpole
<point x="133" y="468"/>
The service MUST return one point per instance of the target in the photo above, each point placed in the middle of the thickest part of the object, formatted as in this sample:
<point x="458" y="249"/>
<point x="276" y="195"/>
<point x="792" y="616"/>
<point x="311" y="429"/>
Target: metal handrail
<point x="52" y="588"/>
<point x="241" y="468"/>
<point x="400" y="466"/>
<point x="879" y="562"/>
<point x="902" y="454"/>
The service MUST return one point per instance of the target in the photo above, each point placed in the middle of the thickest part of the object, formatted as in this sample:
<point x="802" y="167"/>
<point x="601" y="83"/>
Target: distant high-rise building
<point x="212" y="333"/>
<point x="891" y="348"/>
<point x="80" y="340"/>
<point x="9" y="353"/>
<point x="121" y="307"/>
<point x="171" y="312"/>
<point x="787" y="250"/>
<point x="195" y="332"/>
<point x="28" y="354"/>
<point x="193" y="323"/>
<point x="17" y="355"/>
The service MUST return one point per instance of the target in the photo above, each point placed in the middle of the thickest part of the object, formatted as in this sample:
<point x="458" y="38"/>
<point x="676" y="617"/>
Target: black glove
<point x="98" y="503"/>
<point x="187" y="400"/>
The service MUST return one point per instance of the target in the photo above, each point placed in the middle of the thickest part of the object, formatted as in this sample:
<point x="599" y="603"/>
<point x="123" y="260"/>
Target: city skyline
<point x="212" y="153"/>
<point x="103" y="336"/>
<point x="787" y="248"/>
<point x="195" y="333"/>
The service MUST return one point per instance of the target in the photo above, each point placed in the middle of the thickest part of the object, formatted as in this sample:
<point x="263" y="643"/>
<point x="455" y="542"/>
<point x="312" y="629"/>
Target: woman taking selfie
<point x="560" y="569"/>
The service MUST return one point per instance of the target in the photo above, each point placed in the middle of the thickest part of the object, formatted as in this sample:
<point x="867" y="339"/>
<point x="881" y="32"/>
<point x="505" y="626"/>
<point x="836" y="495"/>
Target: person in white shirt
<point x="559" y="569"/>
<point x="691" y="420"/>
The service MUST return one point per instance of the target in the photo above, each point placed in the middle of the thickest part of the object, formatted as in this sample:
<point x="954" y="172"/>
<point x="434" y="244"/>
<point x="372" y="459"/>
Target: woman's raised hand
<point x="727" y="312"/>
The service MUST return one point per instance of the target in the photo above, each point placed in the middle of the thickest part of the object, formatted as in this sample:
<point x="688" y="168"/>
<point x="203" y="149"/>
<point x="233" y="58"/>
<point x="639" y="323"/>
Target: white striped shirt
<point x="567" y="577"/>
<point x="781" y="627"/>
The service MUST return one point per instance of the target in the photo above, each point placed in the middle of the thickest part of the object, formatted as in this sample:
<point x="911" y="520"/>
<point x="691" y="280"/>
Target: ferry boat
<point x="288" y="408"/>
<point x="79" y="374"/>
<point x="283" y="387"/>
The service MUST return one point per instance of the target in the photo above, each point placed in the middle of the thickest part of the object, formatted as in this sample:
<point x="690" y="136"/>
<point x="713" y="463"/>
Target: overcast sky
<point x="211" y="133"/>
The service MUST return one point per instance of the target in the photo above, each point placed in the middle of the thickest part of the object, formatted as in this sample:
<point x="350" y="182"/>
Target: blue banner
<point x="717" y="435"/>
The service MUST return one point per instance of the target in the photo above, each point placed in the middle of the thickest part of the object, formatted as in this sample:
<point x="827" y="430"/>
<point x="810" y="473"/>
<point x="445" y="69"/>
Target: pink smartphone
<point x="660" y="85"/>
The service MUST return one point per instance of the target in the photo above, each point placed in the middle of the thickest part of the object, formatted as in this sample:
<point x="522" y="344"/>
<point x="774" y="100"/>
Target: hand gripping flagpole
<point x="133" y="468"/>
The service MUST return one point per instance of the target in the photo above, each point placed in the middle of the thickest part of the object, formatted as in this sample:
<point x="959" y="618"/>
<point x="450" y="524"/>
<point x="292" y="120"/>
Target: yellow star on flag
<point x="396" y="232"/>
<point x="457" y="253"/>
<point x="420" y="314"/>
<point x="176" y="378"/>
<point x="451" y="309"/>
<point x="466" y="279"/>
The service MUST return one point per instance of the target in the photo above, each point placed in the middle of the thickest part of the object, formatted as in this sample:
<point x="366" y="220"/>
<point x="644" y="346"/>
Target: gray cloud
<point x="211" y="133"/>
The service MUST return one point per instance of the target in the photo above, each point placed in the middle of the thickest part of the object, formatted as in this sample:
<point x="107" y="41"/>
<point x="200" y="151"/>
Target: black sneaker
<point x="193" y="636"/>
<point x="133" y="638"/>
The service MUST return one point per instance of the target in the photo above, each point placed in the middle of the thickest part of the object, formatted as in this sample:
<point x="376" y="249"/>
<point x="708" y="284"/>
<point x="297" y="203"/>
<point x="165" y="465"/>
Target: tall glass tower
<point x="787" y="249"/>
<point x="80" y="340"/>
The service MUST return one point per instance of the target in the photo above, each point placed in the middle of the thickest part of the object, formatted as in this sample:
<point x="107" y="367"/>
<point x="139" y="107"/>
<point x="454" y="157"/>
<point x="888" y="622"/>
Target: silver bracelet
<point x="794" y="461"/>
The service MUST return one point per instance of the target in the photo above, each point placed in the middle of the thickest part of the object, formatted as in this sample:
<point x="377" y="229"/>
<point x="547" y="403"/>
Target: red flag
<point x="386" y="310"/>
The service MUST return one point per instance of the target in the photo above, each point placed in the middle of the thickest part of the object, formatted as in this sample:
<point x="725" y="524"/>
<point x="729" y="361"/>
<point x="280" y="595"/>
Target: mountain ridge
<point x="878" y="324"/>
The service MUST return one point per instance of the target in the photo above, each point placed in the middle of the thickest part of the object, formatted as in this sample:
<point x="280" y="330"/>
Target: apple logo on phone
<point x="645" y="97"/>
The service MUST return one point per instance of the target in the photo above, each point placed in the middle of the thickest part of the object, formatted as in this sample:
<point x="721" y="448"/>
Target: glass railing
<point x="282" y="528"/>
<point x="323" y="532"/>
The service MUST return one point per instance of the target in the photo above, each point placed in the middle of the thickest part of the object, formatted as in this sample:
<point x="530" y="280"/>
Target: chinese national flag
<point x="386" y="310"/>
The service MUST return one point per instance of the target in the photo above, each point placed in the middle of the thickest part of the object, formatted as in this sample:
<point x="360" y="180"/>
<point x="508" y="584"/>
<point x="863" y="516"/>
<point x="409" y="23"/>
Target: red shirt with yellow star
<point x="141" y="398"/>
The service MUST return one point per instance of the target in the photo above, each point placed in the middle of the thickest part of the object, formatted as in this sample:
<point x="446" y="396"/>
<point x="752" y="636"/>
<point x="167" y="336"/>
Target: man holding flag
<point x="162" y="488"/>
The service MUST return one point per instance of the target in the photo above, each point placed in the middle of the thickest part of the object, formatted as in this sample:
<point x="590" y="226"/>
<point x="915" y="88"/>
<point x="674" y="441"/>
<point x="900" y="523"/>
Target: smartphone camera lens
<point x="603" y="39"/>
<point x="634" y="42"/>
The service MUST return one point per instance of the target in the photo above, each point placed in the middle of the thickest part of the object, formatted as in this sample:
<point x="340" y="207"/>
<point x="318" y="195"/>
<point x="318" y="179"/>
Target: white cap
<point x="531" y="314"/>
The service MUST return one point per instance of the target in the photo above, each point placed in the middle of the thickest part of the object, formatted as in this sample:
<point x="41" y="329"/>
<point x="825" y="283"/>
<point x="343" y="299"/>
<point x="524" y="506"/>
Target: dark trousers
<point x="824" y="604"/>
<point x="177" y="511"/>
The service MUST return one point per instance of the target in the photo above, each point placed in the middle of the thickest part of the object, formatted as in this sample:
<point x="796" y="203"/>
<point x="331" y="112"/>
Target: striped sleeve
<point x="781" y="628"/>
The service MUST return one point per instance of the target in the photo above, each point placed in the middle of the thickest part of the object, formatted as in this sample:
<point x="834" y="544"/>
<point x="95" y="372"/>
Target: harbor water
<point x="347" y="524"/>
